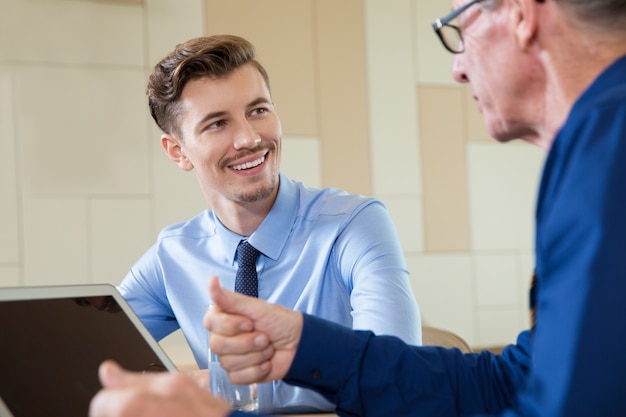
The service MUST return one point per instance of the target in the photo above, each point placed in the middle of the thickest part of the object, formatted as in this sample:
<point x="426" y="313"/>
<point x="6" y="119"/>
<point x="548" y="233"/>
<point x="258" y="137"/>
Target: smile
<point x="249" y="165"/>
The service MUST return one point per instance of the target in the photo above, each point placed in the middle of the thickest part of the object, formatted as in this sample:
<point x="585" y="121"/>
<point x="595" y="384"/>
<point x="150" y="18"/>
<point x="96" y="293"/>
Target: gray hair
<point x="601" y="14"/>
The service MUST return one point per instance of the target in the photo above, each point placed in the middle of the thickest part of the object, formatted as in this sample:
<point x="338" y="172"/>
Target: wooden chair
<point x="433" y="336"/>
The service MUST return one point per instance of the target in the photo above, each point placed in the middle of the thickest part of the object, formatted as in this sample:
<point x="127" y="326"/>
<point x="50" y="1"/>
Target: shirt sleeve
<point x="144" y="291"/>
<point x="372" y="375"/>
<point x="373" y="267"/>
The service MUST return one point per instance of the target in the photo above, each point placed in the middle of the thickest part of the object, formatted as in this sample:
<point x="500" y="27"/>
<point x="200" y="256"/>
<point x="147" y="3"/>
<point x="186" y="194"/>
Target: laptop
<point x="52" y="340"/>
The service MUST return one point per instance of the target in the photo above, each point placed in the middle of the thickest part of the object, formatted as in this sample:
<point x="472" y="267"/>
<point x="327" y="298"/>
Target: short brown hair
<point x="211" y="56"/>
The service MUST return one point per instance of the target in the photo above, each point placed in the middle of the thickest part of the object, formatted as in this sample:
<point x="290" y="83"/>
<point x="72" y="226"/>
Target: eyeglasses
<point x="450" y="35"/>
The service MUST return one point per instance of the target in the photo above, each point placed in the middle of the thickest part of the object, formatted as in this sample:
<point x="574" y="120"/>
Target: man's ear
<point x="524" y="21"/>
<point x="175" y="152"/>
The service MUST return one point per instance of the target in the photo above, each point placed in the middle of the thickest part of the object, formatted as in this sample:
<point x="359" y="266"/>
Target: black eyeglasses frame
<point x="445" y="21"/>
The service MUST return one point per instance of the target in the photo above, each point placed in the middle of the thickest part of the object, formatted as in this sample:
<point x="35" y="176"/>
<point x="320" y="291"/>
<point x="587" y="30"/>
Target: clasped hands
<point x="255" y="341"/>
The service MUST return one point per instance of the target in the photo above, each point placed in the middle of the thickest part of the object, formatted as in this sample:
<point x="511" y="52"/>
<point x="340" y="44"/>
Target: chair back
<point x="433" y="336"/>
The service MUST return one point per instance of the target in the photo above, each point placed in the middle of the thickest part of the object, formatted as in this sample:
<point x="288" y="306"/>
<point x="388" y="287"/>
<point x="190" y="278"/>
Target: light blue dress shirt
<point x="324" y="252"/>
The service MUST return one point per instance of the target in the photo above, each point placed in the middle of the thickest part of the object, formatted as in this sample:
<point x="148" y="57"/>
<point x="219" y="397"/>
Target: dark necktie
<point x="246" y="281"/>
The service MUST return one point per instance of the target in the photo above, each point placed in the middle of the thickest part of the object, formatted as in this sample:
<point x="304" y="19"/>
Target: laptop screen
<point x="53" y="339"/>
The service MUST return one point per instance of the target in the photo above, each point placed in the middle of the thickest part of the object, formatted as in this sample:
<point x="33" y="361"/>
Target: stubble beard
<point x="258" y="194"/>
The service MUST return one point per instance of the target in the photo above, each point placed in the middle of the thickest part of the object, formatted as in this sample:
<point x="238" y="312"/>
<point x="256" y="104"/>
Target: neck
<point x="572" y="56"/>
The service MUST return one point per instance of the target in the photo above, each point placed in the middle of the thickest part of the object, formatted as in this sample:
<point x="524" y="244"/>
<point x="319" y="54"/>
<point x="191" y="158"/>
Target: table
<point x="307" y="415"/>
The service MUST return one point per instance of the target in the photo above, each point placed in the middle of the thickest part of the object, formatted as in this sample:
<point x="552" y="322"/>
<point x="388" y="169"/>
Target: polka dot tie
<point x="246" y="281"/>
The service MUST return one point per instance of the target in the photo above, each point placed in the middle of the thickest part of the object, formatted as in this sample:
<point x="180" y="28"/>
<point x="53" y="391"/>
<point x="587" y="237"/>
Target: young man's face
<point x="231" y="137"/>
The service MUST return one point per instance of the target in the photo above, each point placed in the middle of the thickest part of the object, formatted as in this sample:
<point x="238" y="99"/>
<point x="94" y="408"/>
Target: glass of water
<point x="240" y="397"/>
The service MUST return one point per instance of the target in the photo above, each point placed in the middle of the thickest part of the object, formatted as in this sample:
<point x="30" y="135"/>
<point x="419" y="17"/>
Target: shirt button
<point x="316" y="374"/>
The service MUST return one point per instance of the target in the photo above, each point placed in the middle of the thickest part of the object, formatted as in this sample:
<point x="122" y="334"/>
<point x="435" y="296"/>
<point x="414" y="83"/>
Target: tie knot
<point x="246" y="254"/>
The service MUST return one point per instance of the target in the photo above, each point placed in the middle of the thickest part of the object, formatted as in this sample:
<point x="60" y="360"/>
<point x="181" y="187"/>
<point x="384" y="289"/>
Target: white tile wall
<point x="169" y="23"/>
<point x="392" y="100"/>
<point x="9" y="276"/>
<point x="56" y="241"/>
<point x="407" y="214"/>
<point x="301" y="160"/>
<point x="71" y="32"/>
<point x="93" y="142"/>
<point x="9" y="218"/>
<point x="503" y="183"/>
<point x="433" y="62"/>
<point x="120" y="233"/>
<point x="443" y="286"/>
<point x="498" y="326"/>
<point x="497" y="280"/>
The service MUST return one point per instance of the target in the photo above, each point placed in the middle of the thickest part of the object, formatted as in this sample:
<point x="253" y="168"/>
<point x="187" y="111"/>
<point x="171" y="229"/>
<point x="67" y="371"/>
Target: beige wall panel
<point x="81" y="130"/>
<point x="56" y="249"/>
<point x="343" y="95"/>
<point x="71" y="32"/>
<point x="446" y="220"/>
<point x="281" y="31"/>
<point x="9" y="235"/>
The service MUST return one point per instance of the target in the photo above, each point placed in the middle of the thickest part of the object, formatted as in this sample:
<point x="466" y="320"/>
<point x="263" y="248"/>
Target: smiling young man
<point x="322" y="251"/>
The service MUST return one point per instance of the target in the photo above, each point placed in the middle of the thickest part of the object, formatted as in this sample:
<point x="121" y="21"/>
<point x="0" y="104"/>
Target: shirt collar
<point x="271" y="236"/>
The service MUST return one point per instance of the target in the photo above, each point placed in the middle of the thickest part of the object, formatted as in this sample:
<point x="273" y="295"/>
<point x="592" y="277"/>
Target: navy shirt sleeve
<point x="383" y="375"/>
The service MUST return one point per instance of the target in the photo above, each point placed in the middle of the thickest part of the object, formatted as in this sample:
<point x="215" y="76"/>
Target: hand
<point x="129" y="394"/>
<point x="200" y="377"/>
<point x="256" y="341"/>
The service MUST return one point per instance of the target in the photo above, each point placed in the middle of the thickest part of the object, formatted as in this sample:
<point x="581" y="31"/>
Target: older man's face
<point x="500" y="72"/>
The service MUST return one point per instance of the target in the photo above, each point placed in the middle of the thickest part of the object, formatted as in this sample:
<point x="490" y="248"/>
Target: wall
<point x="367" y="102"/>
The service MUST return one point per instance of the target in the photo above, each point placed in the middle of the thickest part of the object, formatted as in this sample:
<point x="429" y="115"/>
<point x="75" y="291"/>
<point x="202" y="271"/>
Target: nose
<point x="246" y="136"/>
<point x="458" y="68"/>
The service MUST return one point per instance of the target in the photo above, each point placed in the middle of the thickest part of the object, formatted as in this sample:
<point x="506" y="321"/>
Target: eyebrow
<point x="218" y="114"/>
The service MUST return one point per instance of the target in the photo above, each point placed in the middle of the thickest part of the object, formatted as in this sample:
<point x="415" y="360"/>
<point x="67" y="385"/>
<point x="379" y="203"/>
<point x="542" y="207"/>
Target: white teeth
<point x="249" y="165"/>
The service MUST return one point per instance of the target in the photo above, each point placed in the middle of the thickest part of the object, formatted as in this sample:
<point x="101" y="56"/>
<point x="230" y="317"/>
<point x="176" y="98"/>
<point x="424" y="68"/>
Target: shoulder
<point x="334" y="201"/>
<point x="200" y="226"/>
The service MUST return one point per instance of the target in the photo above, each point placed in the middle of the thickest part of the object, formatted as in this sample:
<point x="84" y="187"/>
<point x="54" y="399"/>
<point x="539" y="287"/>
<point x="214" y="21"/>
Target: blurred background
<point x="367" y="101"/>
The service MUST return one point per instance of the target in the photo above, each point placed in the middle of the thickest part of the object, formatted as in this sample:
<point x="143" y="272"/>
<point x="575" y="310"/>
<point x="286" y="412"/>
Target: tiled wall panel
<point x="446" y="218"/>
<point x="503" y="183"/>
<point x="282" y="32"/>
<point x="9" y="211"/>
<point x="71" y="32"/>
<point x="443" y="286"/>
<point x="360" y="86"/>
<point x="120" y="233"/>
<point x="395" y="163"/>
<point x="95" y="140"/>
<point x="56" y="241"/>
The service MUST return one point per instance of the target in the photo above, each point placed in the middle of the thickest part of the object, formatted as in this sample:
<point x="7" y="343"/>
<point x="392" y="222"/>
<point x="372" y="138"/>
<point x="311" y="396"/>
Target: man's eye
<point x="216" y="125"/>
<point x="261" y="110"/>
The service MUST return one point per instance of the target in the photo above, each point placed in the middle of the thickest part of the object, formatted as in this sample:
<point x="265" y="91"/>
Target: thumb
<point x="233" y="303"/>
<point x="112" y="375"/>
